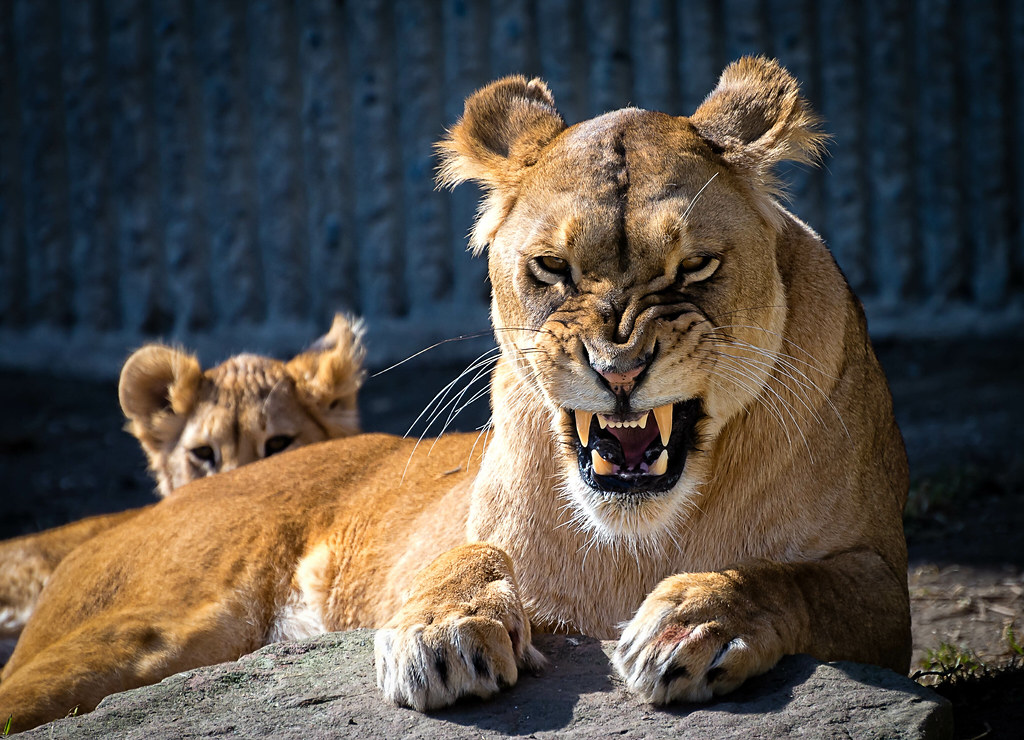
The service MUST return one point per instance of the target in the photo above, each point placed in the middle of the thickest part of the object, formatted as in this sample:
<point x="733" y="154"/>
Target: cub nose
<point x="621" y="382"/>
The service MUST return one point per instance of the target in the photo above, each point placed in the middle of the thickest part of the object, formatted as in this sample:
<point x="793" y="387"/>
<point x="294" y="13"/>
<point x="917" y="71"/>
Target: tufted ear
<point x="159" y="385"/>
<point x="329" y="374"/>
<point x="502" y="131"/>
<point x="757" y="118"/>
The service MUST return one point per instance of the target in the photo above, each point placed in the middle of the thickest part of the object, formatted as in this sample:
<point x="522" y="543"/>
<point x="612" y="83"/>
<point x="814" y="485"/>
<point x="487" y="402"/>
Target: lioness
<point x="193" y="423"/>
<point x="691" y="435"/>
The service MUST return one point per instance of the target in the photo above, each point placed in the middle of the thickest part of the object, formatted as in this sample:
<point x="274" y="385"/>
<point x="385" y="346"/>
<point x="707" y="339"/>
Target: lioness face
<point x="635" y="281"/>
<point x="632" y="259"/>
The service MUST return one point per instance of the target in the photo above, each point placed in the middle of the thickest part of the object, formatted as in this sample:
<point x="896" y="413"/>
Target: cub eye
<point x="698" y="267"/>
<point x="550" y="269"/>
<point x="277" y="444"/>
<point x="203" y="453"/>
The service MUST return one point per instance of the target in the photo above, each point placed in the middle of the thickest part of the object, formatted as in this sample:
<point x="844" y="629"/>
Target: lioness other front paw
<point x="691" y="639"/>
<point x="427" y="658"/>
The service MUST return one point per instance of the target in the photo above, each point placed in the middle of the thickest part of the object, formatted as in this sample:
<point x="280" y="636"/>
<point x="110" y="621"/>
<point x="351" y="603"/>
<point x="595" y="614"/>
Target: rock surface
<point x="324" y="687"/>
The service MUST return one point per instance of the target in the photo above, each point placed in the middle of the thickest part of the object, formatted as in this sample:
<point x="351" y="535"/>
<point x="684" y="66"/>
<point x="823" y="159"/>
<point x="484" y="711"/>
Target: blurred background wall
<point x="229" y="174"/>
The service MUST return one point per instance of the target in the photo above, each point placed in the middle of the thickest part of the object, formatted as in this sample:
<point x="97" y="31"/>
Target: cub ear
<point x="329" y="374"/>
<point x="757" y="118"/>
<point x="502" y="131"/>
<point x="159" y="385"/>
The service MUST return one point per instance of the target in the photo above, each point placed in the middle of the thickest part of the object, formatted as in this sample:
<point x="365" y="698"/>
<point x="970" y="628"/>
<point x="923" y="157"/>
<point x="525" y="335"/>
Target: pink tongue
<point x="634" y="441"/>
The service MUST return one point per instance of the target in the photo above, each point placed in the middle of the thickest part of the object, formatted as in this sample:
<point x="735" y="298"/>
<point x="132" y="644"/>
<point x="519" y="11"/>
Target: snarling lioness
<point x="193" y="423"/>
<point x="691" y="436"/>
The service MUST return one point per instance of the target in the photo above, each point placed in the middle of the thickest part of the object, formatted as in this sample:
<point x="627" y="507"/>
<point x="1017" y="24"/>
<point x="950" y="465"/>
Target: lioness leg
<point x="463" y="631"/>
<point x="27" y="562"/>
<point x="699" y="634"/>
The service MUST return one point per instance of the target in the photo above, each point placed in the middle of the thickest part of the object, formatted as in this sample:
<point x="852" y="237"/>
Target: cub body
<point x="193" y="423"/>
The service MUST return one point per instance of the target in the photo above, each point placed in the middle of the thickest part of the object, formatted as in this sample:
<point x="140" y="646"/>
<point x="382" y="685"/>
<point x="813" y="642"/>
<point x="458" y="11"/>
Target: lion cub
<point x="193" y="423"/>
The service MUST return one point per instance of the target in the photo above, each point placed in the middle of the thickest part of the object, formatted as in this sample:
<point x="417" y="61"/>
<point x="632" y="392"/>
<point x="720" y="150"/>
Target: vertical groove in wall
<point x="227" y="175"/>
<point x="842" y="106"/>
<point x="890" y="214"/>
<point x="428" y="273"/>
<point x="701" y="50"/>
<point x="559" y="36"/>
<point x="936" y="143"/>
<point x="13" y="267"/>
<point x="791" y="29"/>
<point x="745" y="31"/>
<point x="513" y="38"/>
<point x="43" y="164"/>
<point x="136" y="219"/>
<point x="331" y="283"/>
<point x="653" y="43"/>
<point x="465" y="70"/>
<point x="274" y="95"/>
<point x="1015" y="119"/>
<point x="374" y="159"/>
<point x="178" y="133"/>
<point x="94" y="267"/>
<point x="986" y="174"/>
<point x="607" y="23"/>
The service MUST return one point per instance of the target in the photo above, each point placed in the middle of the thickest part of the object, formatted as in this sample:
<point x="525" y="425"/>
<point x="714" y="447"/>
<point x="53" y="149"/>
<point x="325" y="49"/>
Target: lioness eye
<point x="554" y="264"/>
<point x="203" y="453"/>
<point x="276" y="444"/>
<point x="695" y="263"/>
<point x="696" y="268"/>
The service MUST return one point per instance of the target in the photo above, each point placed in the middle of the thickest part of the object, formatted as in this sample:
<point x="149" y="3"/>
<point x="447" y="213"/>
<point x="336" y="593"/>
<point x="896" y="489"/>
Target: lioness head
<point x="635" y="276"/>
<point x="193" y="423"/>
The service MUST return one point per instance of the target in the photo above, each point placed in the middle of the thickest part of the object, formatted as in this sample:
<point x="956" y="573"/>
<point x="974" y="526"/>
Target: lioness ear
<point x="757" y="118"/>
<point x="158" y="387"/>
<point x="329" y="374"/>
<point x="502" y="131"/>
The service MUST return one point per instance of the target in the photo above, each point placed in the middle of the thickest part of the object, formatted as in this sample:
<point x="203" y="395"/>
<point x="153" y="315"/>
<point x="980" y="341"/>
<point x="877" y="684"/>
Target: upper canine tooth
<point x="601" y="466"/>
<point x="583" y="425"/>
<point x="659" y="466"/>
<point x="663" y="414"/>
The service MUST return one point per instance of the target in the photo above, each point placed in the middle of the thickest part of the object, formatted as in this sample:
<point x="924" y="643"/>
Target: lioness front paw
<point x="692" y="638"/>
<point x="428" y="658"/>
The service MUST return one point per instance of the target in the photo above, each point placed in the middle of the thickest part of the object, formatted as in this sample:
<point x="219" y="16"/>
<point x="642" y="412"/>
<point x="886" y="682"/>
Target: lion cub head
<point x="637" y="287"/>
<point x="192" y="423"/>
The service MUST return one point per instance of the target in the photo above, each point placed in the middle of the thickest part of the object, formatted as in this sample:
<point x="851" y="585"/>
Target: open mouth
<point x="637" y="452"/>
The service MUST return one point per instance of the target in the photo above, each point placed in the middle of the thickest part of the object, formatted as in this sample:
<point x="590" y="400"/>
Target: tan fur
<point x="681" y="281"/>
<point x="174" y="407"/>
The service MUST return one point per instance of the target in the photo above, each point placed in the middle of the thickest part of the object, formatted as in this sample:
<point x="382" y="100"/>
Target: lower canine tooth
<point x="663" y="414"/>
<point x="601" y="466"/>
<point x="583" y="425"/>
<point x="660" y="466"/>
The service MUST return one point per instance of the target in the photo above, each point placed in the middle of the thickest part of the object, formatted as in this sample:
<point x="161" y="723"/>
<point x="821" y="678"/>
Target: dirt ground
<point x="63" y="456"/>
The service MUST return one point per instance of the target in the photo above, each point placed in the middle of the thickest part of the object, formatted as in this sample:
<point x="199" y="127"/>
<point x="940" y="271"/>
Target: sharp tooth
<point x="643" y="420"/>
<point x="663" y="414"/>
<point x="659" y="466"/>
<point x="601" y="421"/>
<point x="583" y="425"/>
<point x="601" y="466"/>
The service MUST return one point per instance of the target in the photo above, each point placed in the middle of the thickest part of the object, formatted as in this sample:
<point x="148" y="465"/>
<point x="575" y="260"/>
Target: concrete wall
<point x="229" y="174"/>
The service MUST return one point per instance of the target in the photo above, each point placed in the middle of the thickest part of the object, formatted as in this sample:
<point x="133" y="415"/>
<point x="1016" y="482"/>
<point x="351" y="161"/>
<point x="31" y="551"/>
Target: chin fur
<point x="614" y="518"/>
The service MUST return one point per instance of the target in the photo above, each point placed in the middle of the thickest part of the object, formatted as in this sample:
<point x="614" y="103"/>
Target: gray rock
<point x="324" y="687"/>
